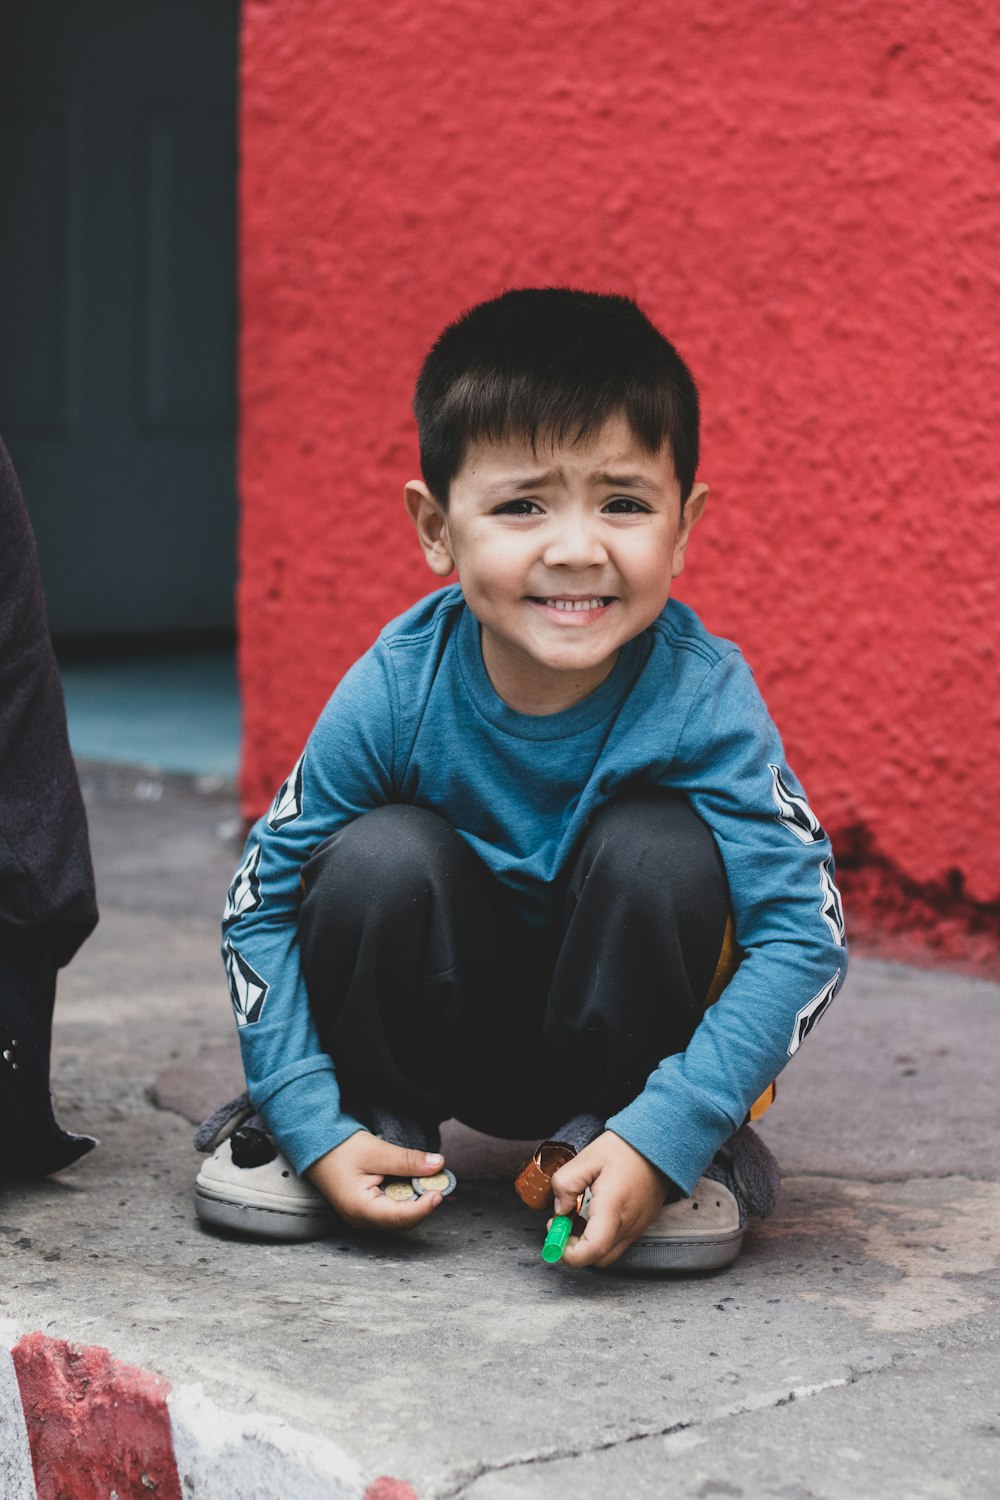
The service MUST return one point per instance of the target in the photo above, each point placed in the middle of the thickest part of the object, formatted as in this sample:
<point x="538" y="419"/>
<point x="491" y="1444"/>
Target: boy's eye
<point x="624" y="505"/>
<point x="518" y="508"/>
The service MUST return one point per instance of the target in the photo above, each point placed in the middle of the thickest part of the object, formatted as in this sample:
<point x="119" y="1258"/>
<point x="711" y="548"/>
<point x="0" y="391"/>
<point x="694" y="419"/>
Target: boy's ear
<point x="432" y="527"/>
<point x="692" y="514"/>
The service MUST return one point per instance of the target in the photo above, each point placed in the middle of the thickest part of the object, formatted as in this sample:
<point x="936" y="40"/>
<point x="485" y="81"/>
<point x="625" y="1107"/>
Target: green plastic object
<point x="555" y="1241"/>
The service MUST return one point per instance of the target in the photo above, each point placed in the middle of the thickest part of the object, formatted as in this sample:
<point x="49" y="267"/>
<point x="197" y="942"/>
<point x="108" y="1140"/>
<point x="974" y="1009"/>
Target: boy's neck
<point x="526" y="690"/>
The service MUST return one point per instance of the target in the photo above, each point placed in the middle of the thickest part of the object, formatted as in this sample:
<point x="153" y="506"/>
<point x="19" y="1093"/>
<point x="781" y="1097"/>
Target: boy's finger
<point x="567" y="1185"/>
<point x="615" y="1252"/>
<point x="598" y="1240"/>
<point x="577" y="1254"/>
<point x="400" y="1161"/>
<point x="385" y="1214"/>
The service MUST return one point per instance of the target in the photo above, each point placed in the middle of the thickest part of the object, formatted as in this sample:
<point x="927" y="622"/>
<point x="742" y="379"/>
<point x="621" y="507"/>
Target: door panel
<point x="117" y="305"/>
<point x="188" y="349"/>
<point x="39" y="242"/>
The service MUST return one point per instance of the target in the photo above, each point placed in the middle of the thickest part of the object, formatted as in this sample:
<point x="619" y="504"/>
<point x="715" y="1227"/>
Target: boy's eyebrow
<point x="543" y="477"/>
<point x="529" y="482"/>
<point x="626" y="482"/>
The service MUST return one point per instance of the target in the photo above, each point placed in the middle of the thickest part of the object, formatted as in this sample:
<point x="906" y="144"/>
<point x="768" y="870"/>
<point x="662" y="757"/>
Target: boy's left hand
<point x="626" y="1190"/>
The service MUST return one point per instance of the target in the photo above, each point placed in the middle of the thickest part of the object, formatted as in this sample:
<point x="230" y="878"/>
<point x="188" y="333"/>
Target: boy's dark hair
<point x="550" y="361"/>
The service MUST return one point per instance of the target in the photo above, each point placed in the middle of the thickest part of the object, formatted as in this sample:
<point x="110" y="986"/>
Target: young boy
<point x="497" y="883"/>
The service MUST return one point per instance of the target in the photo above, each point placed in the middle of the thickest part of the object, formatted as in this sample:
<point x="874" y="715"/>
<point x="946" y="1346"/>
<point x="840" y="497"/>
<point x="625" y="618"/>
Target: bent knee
<point x="644" y="836"/>
<point x="397" y="847"/>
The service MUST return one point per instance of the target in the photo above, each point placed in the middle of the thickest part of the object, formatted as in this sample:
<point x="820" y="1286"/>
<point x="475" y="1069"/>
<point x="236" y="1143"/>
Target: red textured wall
<point x="804" y="197"/>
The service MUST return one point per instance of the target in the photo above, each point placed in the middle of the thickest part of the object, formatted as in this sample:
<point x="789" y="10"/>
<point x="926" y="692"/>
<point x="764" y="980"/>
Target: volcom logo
<point x="808" y="1016"/>
<point x="831" y="909"/>
<point x="287" y="805"/>
<point x="244" y="894"/>
<point x="794" y="812"/>
<point x="246" y="988"/>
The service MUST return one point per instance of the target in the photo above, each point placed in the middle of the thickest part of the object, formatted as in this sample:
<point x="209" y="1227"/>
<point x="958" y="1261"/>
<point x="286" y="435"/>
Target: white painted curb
<point x="220" y="1454"/>
<point x="17" y="1479"/>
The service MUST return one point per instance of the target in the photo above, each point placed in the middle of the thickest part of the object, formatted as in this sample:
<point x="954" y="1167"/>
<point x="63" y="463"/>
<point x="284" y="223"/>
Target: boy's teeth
<point x="575" y="603"/>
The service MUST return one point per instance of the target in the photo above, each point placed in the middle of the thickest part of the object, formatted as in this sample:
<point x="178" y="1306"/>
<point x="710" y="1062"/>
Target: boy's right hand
<point x="350" y="1177"/>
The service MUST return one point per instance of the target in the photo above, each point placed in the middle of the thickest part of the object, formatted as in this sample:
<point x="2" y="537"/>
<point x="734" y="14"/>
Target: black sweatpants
<point x="435" y="999"/>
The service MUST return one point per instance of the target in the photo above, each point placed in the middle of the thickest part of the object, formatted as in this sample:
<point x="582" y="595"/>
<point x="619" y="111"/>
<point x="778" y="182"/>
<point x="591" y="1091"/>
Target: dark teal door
<point x="117" y="305"/>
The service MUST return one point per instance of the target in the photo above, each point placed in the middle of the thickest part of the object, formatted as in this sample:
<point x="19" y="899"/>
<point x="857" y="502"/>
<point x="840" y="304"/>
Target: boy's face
<point x="563" y="553"/>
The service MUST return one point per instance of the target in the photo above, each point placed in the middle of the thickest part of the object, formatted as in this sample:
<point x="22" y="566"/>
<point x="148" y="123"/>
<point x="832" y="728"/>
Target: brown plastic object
<point x="534" y="1181"/>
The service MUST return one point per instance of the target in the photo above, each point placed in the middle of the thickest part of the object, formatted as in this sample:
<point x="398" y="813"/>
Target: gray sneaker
<point x="705" y="1232"/>
<point x="247" y="1185"/>
<point x="700" y="1233"/>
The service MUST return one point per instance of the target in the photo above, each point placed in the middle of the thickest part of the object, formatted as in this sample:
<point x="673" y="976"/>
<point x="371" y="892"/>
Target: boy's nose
<point x="574" y="544"/>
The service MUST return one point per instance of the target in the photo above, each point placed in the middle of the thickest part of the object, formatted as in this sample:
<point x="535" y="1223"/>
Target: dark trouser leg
<point x="31" y="1143"/>
<point x="427" y="990"/>
<point x="434" y="999"/>
<point x="644" y="920"/>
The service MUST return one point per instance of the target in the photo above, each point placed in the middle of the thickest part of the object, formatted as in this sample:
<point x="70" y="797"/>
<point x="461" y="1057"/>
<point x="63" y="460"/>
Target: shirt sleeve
<point x="344" y="771"/>
<point x="788" y="924"/>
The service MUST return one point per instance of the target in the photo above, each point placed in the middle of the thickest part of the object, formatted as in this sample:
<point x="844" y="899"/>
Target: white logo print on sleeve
<point x="244" y="894"/>
<point x="287" y="805"/>
<point x="793" y="811"/>
<point x="808" y="1016"/>
<point x="246" y="988"/>
<point x="831" y="910"/>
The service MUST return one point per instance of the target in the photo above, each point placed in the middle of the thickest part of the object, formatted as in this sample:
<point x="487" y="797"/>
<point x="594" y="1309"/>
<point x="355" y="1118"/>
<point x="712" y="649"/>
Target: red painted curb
<point x="100" y="1428"/>
<point x="95" y="1425"/>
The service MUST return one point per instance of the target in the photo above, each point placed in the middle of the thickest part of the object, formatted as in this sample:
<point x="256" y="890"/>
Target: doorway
<point x="118" y="316"/>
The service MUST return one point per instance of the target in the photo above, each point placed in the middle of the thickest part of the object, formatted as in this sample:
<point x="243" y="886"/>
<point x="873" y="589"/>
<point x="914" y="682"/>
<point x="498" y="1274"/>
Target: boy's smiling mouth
<point x="577" y="606"/>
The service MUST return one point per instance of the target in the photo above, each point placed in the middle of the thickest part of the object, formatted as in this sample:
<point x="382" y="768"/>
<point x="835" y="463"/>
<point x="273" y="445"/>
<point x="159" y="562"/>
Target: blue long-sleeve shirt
<point x="416" y="720"/>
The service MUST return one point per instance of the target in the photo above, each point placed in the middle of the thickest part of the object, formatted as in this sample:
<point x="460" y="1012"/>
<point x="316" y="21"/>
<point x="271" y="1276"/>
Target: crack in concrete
<point x="888" y="1177"/>
<point x="457" y="1487"/>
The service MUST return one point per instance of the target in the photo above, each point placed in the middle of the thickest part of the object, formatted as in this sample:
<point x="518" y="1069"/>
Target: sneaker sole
<point x="709" y="1254"/>
<point x="264" y="1223"/>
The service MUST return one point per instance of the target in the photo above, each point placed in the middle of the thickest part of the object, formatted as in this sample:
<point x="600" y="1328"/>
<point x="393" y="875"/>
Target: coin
<point x="398" y="1190"/>
<point x="437" y="1182"/>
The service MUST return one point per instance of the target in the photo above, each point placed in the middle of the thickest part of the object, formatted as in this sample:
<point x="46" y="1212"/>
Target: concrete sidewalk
<point x="851" y="1351"/>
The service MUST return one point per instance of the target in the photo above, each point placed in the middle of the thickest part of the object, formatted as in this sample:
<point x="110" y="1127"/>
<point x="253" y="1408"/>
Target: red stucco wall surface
<point x="806" y="200"/>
